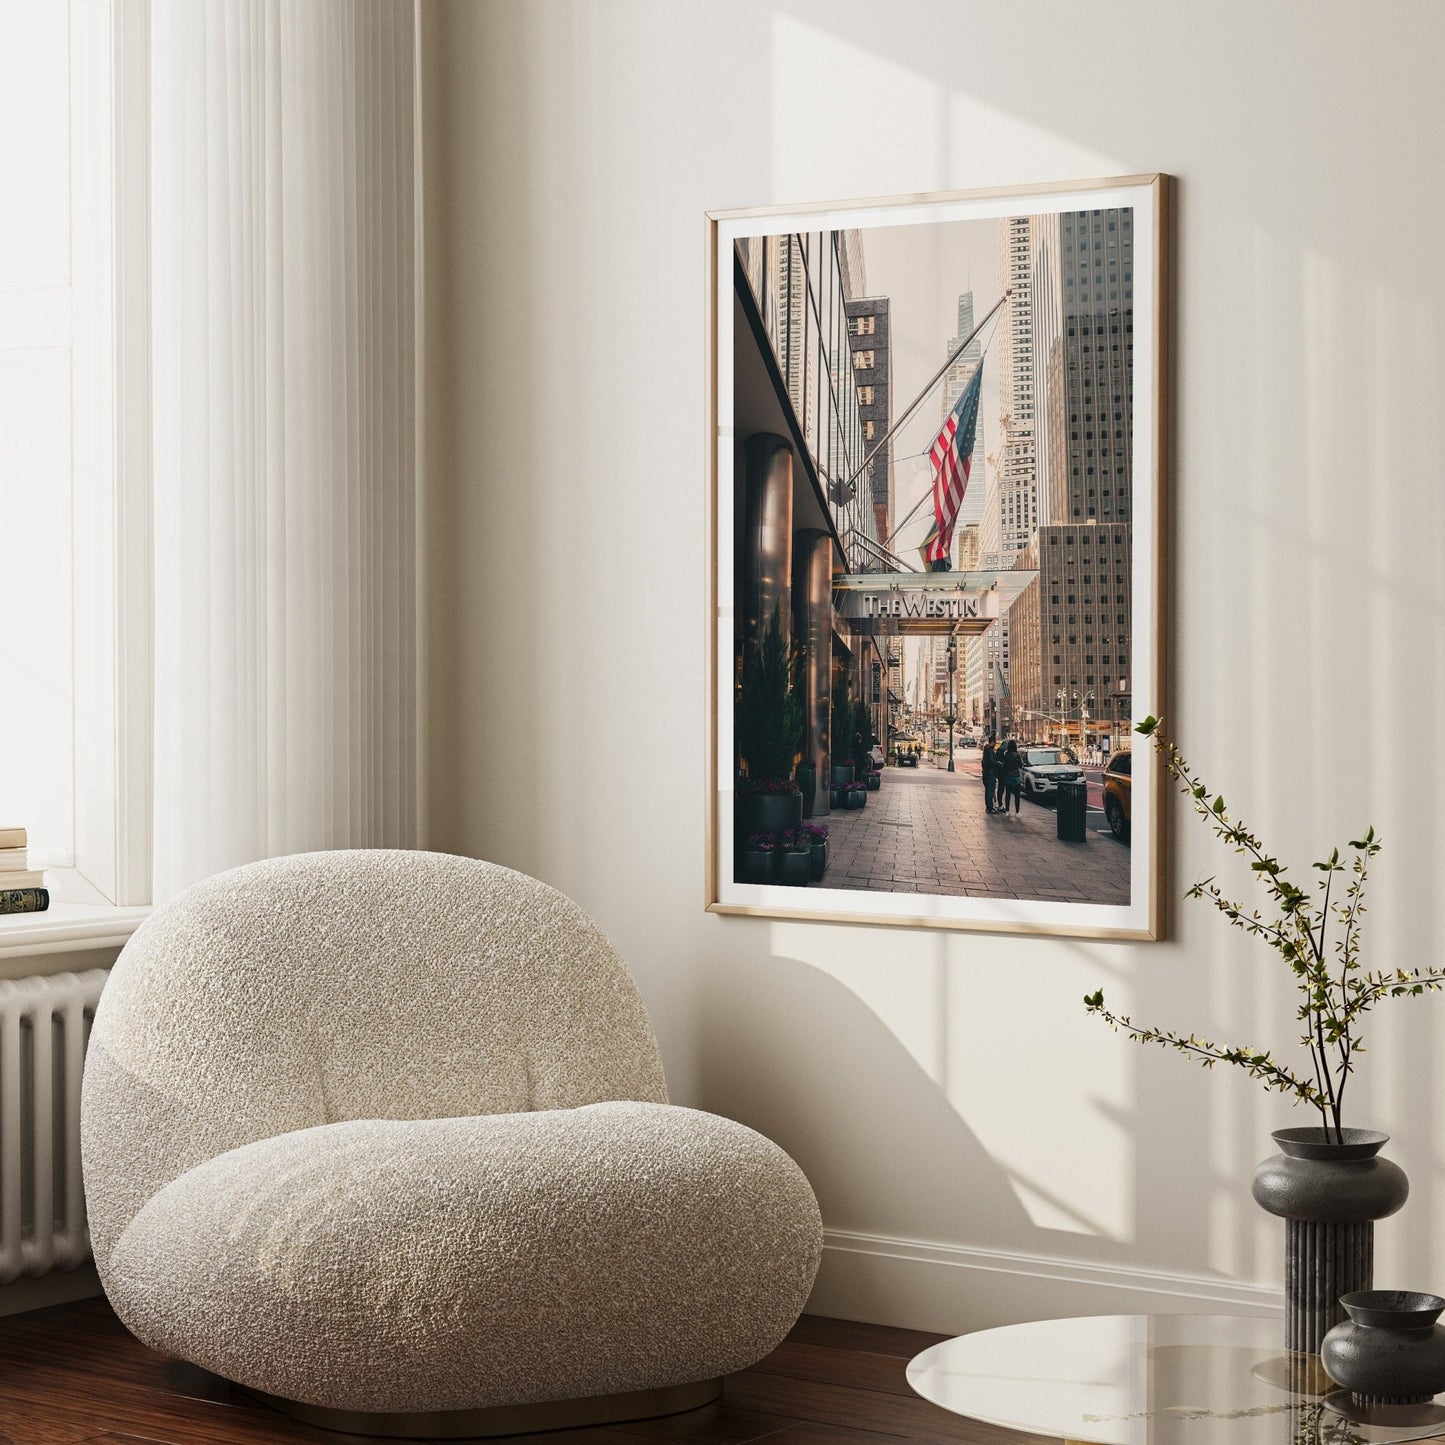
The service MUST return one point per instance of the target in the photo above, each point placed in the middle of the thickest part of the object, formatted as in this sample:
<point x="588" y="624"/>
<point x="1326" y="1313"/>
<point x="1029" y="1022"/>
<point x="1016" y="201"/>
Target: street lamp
<point x="952" y="655"/>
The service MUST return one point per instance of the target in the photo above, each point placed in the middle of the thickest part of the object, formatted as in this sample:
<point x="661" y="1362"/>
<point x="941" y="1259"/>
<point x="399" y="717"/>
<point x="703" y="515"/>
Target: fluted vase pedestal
<point x="1329" y="1188"/>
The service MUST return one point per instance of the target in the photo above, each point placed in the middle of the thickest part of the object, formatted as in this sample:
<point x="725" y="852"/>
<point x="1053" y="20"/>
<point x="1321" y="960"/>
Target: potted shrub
<point x="1327" y="1182"/>
<point x="795" y="858"/>
<point x="760" y="858"/>
<point x="864" y="769"/>
<point x="855" y="795"/>
<point x="770" y="732"/>
<point x="771" y="807"/>
<point x="817" y="834"/>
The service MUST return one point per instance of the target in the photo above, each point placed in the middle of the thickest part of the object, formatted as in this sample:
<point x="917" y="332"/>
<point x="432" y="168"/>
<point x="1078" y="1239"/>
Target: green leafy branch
<point x="1314" y="931"/>
<point x="1258" y="1064"/>
<point x="770" y="707"/>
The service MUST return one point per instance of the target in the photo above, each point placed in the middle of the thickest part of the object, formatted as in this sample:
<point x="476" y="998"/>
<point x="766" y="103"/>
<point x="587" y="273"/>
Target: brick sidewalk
<point x="926" y="831"/>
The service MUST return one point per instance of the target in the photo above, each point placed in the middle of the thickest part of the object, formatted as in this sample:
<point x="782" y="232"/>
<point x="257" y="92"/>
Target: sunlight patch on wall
<point x="900" y="130"/>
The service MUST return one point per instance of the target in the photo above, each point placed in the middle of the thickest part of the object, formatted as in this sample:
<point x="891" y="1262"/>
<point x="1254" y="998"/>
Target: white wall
<point x="948" y="1089"/>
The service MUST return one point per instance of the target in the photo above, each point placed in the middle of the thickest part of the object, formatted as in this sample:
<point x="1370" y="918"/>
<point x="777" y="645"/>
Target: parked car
<point x="876" y="753"/>
<point x="1045" y="768"/>
<point x="1116" y="794"/>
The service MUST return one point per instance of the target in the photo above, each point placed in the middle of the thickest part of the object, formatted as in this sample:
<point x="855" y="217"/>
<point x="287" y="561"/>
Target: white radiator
<point x="44" y="1026"/>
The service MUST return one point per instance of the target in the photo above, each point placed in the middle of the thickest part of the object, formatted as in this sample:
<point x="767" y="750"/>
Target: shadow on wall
<point x="1309" y="505"/>
<point x="817" y="1070"/>
<point x="796" y="1053"/>
<point x="1310" y="323"/>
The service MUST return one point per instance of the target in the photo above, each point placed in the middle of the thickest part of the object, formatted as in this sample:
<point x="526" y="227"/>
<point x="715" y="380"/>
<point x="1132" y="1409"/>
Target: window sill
<point x="68" y="928"/>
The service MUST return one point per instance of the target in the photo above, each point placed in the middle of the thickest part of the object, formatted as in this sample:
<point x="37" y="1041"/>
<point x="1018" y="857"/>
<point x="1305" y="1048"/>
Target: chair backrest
<point x="321" y="987"/>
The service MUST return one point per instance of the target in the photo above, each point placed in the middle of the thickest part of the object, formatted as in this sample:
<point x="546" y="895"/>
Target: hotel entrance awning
<point x="911" y="604"/>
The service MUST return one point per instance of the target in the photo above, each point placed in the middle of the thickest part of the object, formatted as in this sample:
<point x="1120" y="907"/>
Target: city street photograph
<point x="937" y="561"/>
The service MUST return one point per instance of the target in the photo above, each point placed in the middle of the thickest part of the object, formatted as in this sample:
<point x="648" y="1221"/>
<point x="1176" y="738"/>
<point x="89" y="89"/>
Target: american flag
<point x="950" y="458"/>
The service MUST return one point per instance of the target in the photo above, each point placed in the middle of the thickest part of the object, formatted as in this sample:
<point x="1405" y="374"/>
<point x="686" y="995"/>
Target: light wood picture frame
<point x="937" y="461"/>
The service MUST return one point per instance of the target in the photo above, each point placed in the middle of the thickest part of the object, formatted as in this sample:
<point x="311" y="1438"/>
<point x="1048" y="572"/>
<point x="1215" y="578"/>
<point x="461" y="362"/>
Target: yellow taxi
<point x="1116" y="794"/>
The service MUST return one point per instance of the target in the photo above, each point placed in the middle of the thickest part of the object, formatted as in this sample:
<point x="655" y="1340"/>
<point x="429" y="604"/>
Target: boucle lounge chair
<point x="384" y="1136"/>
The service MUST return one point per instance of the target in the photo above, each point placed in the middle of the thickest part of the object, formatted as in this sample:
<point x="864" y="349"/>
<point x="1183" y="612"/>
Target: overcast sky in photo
<point x="923" y="269"/>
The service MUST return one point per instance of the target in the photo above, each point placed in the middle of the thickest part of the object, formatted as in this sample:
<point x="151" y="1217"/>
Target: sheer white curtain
<point x="284" y="201"/>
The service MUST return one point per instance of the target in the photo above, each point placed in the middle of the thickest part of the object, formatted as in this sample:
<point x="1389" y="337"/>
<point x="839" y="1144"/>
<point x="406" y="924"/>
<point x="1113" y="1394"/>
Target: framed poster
<point x="937" y="454"/>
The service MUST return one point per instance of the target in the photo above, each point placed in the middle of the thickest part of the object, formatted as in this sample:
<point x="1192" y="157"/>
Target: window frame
<point x="103" y="896"/>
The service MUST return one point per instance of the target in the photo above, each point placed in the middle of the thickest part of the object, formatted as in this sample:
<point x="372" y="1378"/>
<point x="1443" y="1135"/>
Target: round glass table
<point x="1156" y="1380"/>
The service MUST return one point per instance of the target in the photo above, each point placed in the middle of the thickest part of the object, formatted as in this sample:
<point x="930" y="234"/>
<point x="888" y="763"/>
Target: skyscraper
<point x="1011" y="499"/>
<point x="788" y="281"/>
<point x="1084" y="587"/>
<point x="955" y="379"/>
<point x="1017" y="388"/>
<point x="870" y="341"/>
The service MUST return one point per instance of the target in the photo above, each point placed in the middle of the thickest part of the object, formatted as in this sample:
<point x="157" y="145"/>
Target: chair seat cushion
<point x="383" y="1265"/>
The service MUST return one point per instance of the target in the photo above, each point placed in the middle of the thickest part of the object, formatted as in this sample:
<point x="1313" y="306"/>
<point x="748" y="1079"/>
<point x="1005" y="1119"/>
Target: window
<point x="865" y="396"/>
<point x="71" y="287"/>
<point x="864" y="325"/>
<point x="868" y="430"/>
<point x="863" y="360"/>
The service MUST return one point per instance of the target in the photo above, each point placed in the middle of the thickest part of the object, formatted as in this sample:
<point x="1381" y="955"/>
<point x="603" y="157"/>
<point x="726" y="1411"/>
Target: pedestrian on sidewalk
<point x="862" y="756"/>
<point x="1011" y="778"/>
<point x="990" y="773"/>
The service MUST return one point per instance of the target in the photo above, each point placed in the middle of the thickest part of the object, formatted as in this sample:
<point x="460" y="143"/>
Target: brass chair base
<point x="504" y="1419"/>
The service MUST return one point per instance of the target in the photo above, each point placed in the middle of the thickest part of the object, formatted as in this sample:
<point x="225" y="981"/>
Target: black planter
<point x="759" y="867"/>
<point x="841" y="774"/>
<point x="875" y="781"/>
<point x="855" y="798"/>
<point x="794" y="869"/>
<point x="819" y="860"/>
<point x="768" y="813"/>
<point x="835" y="797"/>
<point x="1329" y="1195"/>
<point x="1390" y="1351"/>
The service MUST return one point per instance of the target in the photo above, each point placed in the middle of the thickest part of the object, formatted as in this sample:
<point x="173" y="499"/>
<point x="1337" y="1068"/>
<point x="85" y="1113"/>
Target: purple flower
<point x="772" y="787"/>
<point x="762" y="842"/>
<point x="817" y="832"/>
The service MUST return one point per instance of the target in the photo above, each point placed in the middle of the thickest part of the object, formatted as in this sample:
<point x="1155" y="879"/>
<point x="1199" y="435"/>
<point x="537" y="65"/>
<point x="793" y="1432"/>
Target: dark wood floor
<point x="72" y="1374"/>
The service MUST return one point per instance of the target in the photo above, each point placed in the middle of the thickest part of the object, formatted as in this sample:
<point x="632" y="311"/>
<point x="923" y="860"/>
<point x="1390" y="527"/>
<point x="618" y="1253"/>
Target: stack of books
<point x="22" y="888"/>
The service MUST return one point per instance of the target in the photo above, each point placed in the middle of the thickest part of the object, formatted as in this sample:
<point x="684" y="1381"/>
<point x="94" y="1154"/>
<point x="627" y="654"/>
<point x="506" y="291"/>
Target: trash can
<point x="1073" y="809"/>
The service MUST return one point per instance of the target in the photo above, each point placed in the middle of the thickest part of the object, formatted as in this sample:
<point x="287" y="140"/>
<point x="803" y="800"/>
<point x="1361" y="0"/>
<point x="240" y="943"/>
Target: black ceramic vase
<point x="1390" y="1351"/>
<point x="1329" y="1189"/>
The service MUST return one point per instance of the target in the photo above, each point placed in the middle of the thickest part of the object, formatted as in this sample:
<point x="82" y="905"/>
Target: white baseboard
<point x="911" y="1283"/>
<point x="952" y="1289"/>
<point x="58" y="1288"/>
